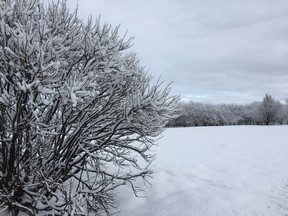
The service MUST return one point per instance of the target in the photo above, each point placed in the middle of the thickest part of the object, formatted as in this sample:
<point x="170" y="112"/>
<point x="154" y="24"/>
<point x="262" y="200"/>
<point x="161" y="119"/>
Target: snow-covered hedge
<point x="78" y="114"/>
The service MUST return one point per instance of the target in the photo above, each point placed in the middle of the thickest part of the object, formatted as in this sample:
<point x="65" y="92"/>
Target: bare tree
<point x="78" y="113"/>
<point x="269" y="109"/>
<point x="285" y="112"/>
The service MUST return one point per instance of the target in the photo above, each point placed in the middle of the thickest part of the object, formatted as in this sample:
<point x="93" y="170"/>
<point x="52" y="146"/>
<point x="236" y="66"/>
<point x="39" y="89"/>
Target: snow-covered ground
<point x="216" y="171"/>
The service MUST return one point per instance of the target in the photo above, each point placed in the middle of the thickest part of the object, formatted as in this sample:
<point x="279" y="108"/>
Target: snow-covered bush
<point x="78" y="113"/>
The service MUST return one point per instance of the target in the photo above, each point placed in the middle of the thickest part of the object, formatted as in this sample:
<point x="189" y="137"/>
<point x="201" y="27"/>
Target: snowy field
<point x="216" y="171"/>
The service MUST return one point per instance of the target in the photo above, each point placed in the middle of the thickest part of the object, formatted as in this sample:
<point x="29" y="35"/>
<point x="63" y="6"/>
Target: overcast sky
<point x="224" y="51"/>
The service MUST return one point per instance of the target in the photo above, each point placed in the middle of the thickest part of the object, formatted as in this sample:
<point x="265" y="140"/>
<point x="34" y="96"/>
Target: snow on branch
<point x="78" y="113"/>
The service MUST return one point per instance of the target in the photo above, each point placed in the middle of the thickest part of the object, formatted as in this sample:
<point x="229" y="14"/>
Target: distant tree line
<point x="266" y="112"/>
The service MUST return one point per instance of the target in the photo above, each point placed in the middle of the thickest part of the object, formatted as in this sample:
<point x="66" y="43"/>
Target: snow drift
<point x="239" y="170"/>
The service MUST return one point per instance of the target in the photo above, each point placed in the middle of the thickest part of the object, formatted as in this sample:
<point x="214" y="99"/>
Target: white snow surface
<point x="216" y="171"/>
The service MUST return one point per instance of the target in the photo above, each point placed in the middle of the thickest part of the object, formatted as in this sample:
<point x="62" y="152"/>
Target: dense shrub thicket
<point x="78" y="114"/>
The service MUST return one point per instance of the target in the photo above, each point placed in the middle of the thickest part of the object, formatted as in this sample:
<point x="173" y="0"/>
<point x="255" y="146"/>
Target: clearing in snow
<point x="217" y="171"/>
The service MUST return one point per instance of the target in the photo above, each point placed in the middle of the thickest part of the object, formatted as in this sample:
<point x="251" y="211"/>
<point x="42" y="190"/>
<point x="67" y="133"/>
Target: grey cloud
<point x="212" y="50"/>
